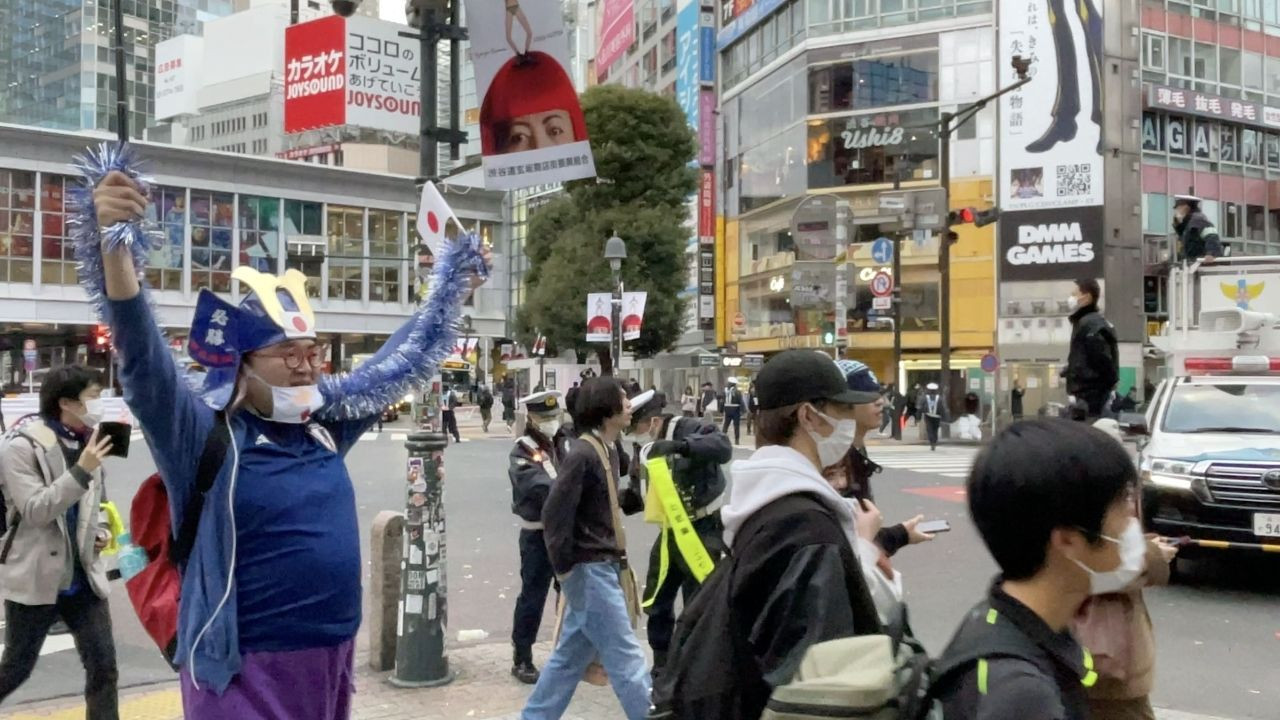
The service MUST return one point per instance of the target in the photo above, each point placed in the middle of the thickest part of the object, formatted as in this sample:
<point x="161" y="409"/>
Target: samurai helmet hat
<point x="275" y="309"/>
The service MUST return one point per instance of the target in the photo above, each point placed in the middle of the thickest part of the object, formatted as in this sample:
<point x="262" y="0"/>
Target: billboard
<point x="688" y="61"/>
<point x="617" y="32"/>
<point x="351" y="71"/>
<point x="532" y="130"/>
<point x="1051" y="174"/>
<point x="178" y="62"/>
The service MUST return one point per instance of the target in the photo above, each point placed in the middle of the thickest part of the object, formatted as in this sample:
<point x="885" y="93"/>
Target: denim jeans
<point x="595" y="624"/>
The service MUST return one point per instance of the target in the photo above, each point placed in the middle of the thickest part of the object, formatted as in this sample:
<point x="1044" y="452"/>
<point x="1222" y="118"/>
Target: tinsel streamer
<point x="434" y="331"/>
<point x="88" y="240"/>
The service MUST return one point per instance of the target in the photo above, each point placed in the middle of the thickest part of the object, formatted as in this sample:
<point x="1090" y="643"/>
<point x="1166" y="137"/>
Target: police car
<point x="1211" y="461"/>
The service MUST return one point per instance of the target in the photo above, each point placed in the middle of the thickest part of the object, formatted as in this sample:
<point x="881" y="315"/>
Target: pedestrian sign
<point x="882" y="251"/>
<point x="882" y="284"/>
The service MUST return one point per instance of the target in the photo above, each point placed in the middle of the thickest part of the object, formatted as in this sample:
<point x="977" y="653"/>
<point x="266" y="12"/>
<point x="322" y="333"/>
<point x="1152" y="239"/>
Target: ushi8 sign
<point x="351" y="71"/>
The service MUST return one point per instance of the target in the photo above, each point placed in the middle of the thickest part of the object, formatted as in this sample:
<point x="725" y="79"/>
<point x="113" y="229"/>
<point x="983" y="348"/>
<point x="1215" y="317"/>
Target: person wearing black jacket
<point x="1198" y="237"/>
<point x="587" y="557"/>
<point x="696" y="451"/>
<point x="534" y="459"/>
<point x="1093" y="363"/>
<point x="1052" y="501"/>
<point x="797" y="564"/>
<point x="851" y="477"/>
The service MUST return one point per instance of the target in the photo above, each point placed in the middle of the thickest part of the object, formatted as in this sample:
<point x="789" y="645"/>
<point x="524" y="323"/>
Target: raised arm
<point x="173" y="418"/>
<point x="412" y="355"/>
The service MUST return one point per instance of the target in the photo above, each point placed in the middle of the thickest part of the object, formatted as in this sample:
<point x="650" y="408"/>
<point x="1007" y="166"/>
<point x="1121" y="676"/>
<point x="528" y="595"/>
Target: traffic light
<point x="974" y="216"/>
<point x="101" y="338"/>
<point x="829" y="332"/>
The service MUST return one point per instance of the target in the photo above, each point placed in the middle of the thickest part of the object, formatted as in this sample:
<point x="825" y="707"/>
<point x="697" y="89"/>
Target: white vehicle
<point x="1211" y="465"/>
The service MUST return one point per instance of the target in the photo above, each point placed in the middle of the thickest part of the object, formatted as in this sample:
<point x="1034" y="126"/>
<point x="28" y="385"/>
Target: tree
<point x="642" y="147"/>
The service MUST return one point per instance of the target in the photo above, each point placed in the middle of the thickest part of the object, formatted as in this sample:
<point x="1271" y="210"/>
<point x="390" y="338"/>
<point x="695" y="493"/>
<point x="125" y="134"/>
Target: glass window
<point x="17" y="225"/>
<point x="1206" y="63"/>
<point x="1158" y="213"/>
<point x="1251" y="141"/>
<point x="346" y="251"/>
<point x="168" y="210"/>
<point x="384" y="255"/>
<point x="1180" y="56"/>
<point x="303" y="218"/>
<point x="1153" y="52"/>
<point x="1251" y="71"/>
<point x="1231" y="68"/>
<point x="875" y="82"/>
<point x="920" y="306"/>
<point x="876" y="148"/>
<point x="259" y="233"/>
<point x="1273" y="151"/>
<point x="57" y="264"/>
<point x="211" y="215"/>
<point x="773" y="169"/>
<point x="1273" y="75"/>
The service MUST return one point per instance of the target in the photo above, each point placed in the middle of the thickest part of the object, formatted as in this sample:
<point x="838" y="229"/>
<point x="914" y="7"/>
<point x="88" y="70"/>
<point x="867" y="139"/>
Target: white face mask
<point x="93" y="411"/>
<point x="548" y="427"/>
<point x="834" y="446"/>
<point x="292" y="404"/>
<point x="1133" y="555"/>
<point x="1073" y="302"/>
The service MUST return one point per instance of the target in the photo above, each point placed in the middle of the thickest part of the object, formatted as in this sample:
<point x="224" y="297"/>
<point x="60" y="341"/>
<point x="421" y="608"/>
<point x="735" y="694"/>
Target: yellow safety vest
<point x="662" y="489"/>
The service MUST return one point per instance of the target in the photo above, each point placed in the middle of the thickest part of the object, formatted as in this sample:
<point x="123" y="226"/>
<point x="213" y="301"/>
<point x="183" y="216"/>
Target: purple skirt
<point x="313" y="684"/>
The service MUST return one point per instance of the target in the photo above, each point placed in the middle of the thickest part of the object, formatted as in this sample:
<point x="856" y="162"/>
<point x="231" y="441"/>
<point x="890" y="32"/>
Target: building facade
<point x="350" y="232"/>
<point x="844" y="99"/>
<point x="1210" y="127"/>
<point x="57" y="67"/>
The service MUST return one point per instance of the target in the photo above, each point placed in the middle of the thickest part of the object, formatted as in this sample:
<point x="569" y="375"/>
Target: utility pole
<point x="948" y="123"/>
<point x="122" y="85"/>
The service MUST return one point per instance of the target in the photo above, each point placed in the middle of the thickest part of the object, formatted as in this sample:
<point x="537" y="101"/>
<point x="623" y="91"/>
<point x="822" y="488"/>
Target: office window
<point x="1153" y="51"/>
<point x="259" y="232"/>
<point x="17" y="226"/>
<point x="304" y="219"/>
<point x="385" y="254"/>
<point x="211" y="218"/>
<point x="168" y="210"/>
<point x="57" y="264"/>
<point x="1251" y="71"/>
<point x="346" y="252"/>
<point x="1231" y="66"/>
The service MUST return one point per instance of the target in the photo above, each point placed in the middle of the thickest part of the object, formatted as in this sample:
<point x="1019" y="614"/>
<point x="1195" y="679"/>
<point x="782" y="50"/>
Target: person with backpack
<point x="586" y="543"/>
<point x="449" y="414"/>
<point x="695" y="451"/>
<point x="485" y="401"/>
<point x="271" y="592"/>
<point x="795" y="577"/>
<point x="509" y="401"/>
<point x="1053" y="502"/>
<point x="51" y="566"/>
<point x="532" y="471"/>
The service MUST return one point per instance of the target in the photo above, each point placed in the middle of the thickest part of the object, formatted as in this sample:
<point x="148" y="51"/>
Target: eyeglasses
<point x="294" y="357"/>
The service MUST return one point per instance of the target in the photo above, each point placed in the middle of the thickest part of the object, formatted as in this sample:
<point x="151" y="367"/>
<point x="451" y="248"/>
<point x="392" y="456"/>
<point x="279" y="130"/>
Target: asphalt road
<point x="1217" y="630"/>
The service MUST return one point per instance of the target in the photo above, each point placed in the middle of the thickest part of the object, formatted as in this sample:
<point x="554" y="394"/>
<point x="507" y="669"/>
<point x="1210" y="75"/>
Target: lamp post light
<point x="615" y="251"/>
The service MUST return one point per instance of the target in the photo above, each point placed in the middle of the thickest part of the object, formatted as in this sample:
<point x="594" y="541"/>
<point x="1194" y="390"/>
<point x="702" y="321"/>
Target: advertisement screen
<point x="617" y="32"/>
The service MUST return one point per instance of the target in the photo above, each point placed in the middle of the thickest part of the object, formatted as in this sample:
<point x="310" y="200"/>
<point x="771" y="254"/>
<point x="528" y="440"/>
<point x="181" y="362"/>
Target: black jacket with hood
<point x="1199" y="237"/>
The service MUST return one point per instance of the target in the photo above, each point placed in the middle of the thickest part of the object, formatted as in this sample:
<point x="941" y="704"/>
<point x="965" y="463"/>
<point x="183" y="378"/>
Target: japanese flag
<point x="433" y="213"/>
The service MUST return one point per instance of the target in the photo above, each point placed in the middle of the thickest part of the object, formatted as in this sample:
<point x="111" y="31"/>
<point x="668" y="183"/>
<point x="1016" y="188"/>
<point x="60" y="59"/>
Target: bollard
<point x="420" y="644"/>
<point x="384" y="589"/>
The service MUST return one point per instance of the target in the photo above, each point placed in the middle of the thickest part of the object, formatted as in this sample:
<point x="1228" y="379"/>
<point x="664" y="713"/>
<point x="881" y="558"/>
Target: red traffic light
<point x="101" y="336"/>
<point x="967" y="215"/>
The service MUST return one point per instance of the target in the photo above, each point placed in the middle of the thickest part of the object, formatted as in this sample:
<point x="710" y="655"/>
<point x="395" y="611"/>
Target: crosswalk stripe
<point x="53" y="644"/>
<point x="399" y="437"/>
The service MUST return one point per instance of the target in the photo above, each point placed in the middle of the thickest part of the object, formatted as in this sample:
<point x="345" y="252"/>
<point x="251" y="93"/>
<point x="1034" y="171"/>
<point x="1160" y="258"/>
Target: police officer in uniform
<point x="1197" y="236"/>
<point x="696" y="451"/>
<point x="534" y="460"/>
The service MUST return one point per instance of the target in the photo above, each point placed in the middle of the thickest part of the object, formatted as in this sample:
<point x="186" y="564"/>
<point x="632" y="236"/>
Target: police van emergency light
<point x="1219" y="345"/>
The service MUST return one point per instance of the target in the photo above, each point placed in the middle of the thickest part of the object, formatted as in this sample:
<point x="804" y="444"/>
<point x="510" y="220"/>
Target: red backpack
<point x="155" y="592"/>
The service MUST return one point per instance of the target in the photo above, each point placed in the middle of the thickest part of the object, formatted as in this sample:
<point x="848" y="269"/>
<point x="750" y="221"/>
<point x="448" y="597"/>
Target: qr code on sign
<point x="1075" y="180"/>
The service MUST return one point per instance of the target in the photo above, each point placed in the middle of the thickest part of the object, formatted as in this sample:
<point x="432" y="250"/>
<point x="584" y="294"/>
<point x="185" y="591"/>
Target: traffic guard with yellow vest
<point x="684" y="492"/>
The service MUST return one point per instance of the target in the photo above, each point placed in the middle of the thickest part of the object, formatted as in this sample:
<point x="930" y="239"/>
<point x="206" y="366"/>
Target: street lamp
<point x="615" y="251"/>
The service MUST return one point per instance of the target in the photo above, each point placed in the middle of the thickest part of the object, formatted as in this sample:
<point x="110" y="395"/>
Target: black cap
<point x="798" y="376"/>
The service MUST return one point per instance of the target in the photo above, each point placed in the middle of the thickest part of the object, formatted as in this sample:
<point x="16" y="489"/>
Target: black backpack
<point x="709" y="637"/>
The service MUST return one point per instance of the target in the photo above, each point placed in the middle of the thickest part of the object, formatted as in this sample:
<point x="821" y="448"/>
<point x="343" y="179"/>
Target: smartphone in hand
<point x="931" y="527"/>
<point x="119" y="433"/>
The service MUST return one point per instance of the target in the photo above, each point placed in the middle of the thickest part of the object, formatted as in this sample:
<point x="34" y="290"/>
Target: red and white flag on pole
<point x="433" y="213"/>
<point x="540" y="345"/>
<point x="633" y="314"/>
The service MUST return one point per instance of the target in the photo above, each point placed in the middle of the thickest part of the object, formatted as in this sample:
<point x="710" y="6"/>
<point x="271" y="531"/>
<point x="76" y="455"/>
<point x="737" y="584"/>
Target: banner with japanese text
<point x="532" y="130"/>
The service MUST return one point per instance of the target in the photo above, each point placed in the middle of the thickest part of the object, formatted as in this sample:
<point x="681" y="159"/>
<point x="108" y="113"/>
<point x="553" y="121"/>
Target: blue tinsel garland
<point x="371" y="387"/>
<point x="361" y="393"/>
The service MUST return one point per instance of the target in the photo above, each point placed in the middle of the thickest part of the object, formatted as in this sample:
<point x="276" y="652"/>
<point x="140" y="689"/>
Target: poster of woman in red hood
<point x="531" y="104"/>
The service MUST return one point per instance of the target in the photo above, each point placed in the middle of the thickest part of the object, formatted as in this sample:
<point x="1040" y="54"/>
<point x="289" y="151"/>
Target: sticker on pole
<point x="882" y="284"/>
<point x="881" y="303"/>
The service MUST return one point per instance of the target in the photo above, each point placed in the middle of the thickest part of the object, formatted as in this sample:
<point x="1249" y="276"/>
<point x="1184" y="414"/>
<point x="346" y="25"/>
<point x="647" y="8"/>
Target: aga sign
<point x="1051" y="245"/>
